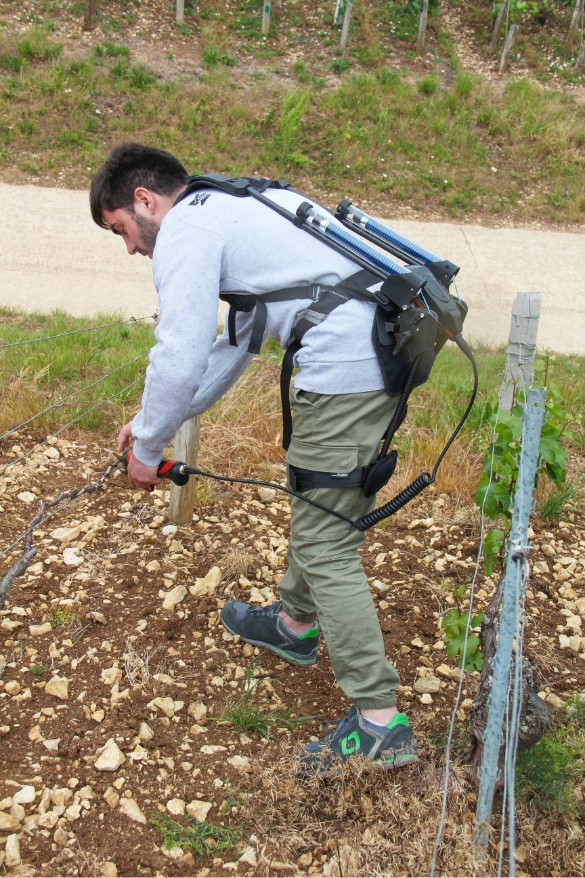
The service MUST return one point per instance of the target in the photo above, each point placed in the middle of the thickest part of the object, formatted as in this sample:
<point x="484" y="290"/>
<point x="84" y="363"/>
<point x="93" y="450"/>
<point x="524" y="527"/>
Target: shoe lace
<point x="271" y="610"/>
<point x="335" y="726"/>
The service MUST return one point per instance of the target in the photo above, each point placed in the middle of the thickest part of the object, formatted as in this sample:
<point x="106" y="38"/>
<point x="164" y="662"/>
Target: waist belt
<point x="307" y="479"/>
<point x="371" y="477"/>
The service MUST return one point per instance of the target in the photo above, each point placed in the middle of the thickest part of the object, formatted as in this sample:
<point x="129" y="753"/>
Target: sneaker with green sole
<point x="262" y="626"/>
<point x="390" y="746"/>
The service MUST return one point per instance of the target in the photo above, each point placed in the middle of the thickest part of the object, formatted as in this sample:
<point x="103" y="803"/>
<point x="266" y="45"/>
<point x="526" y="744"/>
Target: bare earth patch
<point x="114" y="666"/>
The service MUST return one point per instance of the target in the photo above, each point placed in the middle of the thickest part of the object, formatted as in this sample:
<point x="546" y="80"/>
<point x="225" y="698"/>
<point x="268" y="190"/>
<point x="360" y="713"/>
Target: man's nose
<point x="132" y="248"/>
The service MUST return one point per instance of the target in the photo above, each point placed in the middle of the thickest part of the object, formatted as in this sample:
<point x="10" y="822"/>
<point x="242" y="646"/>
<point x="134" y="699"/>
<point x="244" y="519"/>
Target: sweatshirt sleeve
<point x="187" y="266"/>
<point x="226" y="364"/>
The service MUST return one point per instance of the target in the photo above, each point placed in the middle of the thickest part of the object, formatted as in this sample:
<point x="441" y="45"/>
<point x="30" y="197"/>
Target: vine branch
<point x="29" y="551"/>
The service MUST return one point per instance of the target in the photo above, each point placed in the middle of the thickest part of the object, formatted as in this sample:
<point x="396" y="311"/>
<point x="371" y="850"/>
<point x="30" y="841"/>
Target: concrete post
<point x="498" y="25"/>
<point x="346" y="21"/>
<point x="509" y="45"/>
<point x="266" y="18"/>
<point x="521" y="348"/>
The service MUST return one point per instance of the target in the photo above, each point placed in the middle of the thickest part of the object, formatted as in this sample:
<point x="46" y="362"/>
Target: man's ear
<point x="145" y="198"/>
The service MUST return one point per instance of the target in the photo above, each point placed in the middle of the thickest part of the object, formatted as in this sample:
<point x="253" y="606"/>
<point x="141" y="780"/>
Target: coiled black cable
<point x="397" y="503"/>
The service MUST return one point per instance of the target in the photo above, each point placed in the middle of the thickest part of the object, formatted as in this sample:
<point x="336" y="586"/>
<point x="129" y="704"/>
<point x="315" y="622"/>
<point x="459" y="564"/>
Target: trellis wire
<point x="71" y="395"/>
<point x="74" y="421"/>
<point x="511" y="744"/>
<point x="515" y="690"/>
<point x="15" y="344"/>
<point x="509" y="625"/>
<point x="441" y="826"/>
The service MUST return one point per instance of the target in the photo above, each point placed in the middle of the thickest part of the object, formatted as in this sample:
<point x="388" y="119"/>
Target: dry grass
<point x="137" y="665"/>
<point x="236" y="562"/>
<point x="371" y="822"/>
<point x="241" y="434"/>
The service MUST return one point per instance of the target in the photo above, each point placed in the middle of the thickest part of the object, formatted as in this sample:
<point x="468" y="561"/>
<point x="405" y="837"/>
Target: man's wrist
<point x="145" y="456"/>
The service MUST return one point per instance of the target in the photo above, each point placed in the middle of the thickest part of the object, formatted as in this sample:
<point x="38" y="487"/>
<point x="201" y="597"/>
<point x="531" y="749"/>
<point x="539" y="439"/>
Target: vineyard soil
<point x="151" y="677"/>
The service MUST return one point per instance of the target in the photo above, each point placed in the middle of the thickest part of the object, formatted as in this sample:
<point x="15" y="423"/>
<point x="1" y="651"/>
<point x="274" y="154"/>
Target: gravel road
<point x="53" y="256"/>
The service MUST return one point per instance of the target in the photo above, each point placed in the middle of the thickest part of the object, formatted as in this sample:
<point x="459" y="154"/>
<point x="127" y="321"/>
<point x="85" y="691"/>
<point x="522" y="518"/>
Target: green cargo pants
<point x="325" y="576"/>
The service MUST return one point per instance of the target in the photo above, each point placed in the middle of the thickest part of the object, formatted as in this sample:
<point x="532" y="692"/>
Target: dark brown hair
<point x="128" y="166"/>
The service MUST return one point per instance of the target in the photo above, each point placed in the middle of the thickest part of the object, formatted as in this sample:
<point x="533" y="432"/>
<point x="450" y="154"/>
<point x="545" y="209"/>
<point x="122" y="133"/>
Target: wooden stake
<point x="185" y="448"/>
<point x="422" y="26"/>
<point x="346" y="21"/>
<point x="509" y="45"/>
<point x="498" y="25"/>
<point x="89" y="14"/>
<point x="577" y="13"/>
<point x="521" y="348"/>
<point x="180" y="11"/>
<point x="266" y="18"/>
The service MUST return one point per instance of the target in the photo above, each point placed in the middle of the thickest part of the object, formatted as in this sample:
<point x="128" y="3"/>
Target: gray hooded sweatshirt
<point x="212" y="242"/>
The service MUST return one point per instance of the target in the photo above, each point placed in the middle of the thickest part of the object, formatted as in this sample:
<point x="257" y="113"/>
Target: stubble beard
<point x="148" y="232"/>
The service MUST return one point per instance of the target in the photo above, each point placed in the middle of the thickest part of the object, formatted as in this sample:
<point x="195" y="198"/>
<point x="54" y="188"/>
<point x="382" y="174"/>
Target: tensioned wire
<point x="62" y="401"/>
<point x="15" y="344"/>
<point x="470" y="614"/>
<point x="511" y="743"/>
<point x="513" y="721"/>
<point x="73" y="421"/>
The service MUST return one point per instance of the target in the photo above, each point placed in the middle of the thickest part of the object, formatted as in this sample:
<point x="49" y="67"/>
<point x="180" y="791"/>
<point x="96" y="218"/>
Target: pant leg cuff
<point x="299" y="617"/>
<point x="376" y="703"/>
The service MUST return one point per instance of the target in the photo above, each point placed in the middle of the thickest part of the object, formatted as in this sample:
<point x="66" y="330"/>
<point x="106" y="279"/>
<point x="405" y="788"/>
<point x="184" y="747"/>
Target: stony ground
<point x="114" y="666"/>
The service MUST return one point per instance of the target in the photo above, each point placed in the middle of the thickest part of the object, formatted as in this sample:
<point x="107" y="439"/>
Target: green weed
<point x="429" y="84"/>
<point x="550" y="774"/>
<point x="61" y="616"/>
<point x="404" y="16"/>
<point x="246" y="713"/>
<point x="465" y="82"/>
<point x="212" y="57"/>
<point x="200" y="837"/>
<point x="560" y="500"/>
<point x="111" y="50"/>
<point x="139" y="76"/>
<point x="38" y="670"/>
<point x="286" y="140"/>
<point x="340" y="65"/>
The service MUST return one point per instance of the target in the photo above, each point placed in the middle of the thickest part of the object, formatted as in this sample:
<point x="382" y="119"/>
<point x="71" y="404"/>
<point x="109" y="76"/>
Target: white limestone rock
<point x="110" y="757"/>
<point x="131" y="809"/>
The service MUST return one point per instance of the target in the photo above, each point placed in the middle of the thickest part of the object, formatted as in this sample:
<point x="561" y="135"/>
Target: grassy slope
<point x="458" y="148"/>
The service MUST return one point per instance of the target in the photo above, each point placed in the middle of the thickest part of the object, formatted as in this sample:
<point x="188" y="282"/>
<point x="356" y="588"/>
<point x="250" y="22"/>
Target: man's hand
<point x="125" y="437"/>
<point x="138" y="473"/>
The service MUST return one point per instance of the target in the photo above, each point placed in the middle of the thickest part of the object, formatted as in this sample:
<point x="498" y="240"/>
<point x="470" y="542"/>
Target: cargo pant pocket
<point x="310" y="524"/>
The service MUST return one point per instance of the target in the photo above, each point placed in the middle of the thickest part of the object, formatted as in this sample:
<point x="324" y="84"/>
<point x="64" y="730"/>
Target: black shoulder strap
<point x="231" y="185"/>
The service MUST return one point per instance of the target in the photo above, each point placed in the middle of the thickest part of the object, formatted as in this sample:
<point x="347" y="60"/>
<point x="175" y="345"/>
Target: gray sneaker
<point x="390" y="746"/>
<point x="262" y="626"/>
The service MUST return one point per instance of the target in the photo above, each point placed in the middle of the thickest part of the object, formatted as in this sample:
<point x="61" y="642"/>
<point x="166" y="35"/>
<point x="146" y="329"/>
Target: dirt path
<point x="53" y="256"/>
